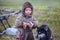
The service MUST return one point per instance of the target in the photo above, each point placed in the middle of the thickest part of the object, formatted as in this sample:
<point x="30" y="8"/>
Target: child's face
<point x="28" y="11"/>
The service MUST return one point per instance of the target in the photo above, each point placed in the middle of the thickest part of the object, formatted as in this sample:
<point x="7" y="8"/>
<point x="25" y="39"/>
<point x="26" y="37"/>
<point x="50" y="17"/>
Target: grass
<point x="46" y="12"/>
<point x="52" y="18"/>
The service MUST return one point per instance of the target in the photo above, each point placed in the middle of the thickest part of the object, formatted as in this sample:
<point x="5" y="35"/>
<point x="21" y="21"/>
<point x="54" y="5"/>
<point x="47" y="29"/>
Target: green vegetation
<point x="46" y="12"/>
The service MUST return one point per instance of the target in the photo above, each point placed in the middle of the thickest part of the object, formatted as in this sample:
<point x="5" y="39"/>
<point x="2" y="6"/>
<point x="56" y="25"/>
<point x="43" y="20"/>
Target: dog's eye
<point x="39" y="32"/>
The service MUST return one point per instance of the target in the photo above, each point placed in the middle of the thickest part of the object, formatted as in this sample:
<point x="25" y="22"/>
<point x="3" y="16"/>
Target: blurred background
<point x="46" y="12"/>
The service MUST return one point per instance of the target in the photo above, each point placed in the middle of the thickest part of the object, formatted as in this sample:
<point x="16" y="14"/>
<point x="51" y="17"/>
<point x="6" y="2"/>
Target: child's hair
<point x="27" y="5"/>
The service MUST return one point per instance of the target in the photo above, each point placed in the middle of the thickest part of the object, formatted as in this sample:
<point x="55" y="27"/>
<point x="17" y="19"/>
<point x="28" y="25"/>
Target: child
<point x="26" y="22"/>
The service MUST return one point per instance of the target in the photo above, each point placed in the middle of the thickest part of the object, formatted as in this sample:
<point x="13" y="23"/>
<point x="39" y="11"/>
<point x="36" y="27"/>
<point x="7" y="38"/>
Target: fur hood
<point x="27" y="5"/>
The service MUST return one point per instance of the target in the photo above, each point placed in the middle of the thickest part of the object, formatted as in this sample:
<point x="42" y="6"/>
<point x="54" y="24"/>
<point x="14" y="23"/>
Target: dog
<point x="44" y="32"/>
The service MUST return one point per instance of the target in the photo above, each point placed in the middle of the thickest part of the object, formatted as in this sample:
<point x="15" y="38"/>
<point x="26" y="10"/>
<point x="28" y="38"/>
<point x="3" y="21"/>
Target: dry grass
<point x="52" y="18"/>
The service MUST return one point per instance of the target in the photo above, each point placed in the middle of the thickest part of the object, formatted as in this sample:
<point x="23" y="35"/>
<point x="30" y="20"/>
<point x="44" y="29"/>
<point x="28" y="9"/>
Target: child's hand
<point x="24" y="25"/>
<point x="17" y="38"/>
<point x="30" y="24"/>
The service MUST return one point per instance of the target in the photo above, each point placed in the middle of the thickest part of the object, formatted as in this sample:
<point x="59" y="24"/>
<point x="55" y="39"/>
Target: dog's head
<point x="42" y="27"/>
<point x="45" y="27"/>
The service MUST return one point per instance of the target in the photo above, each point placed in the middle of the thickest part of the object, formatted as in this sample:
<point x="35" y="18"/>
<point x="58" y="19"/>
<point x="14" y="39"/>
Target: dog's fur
<point x="42" y="29"/>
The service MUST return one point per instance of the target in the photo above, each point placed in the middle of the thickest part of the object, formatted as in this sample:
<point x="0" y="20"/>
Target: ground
<point x="46" y="12"/>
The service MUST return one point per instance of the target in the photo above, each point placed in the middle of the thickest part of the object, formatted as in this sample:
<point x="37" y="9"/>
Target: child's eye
<point x="28" y="9"/>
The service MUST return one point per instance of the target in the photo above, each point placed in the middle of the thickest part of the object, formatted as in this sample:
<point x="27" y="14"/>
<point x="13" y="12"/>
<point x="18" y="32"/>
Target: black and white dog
<point x="43" y="32"/>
